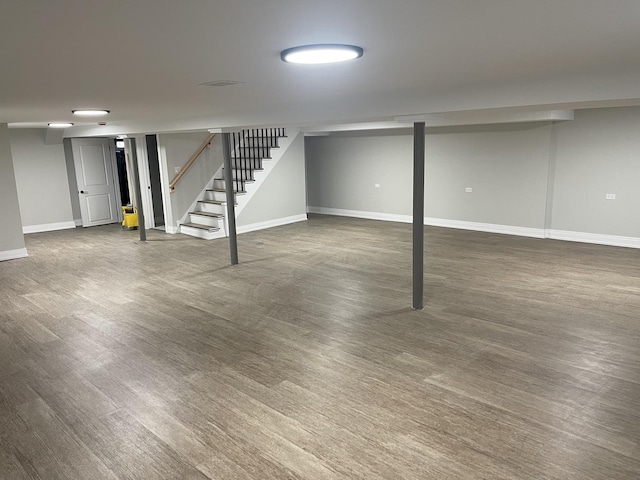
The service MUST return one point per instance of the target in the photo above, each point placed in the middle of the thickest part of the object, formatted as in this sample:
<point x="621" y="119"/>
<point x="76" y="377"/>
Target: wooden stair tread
<point x="237" y="192"/>
<point x="208" y="228"/>
<point x="259" y="137"/>
<point x="216" y="202"/>
<point x="222" y="180"/>
<point x="207" y="214"/>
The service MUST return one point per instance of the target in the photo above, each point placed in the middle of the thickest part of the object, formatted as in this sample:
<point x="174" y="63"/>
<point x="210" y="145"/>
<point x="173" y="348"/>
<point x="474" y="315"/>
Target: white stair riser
<point x="251" y="153"/>
<point x="245" y="174"/>
<point x="221" y="185"/>
<point x="221" y="196"/>
<point x="206" y="220"/>
<point x="196" y="232"/>
<point x="212" y="207"/>
<point x="259" y="142"/>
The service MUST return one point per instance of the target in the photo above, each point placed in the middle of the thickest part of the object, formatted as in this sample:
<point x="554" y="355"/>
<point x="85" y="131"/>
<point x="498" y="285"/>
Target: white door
<point x="96" y="186"/>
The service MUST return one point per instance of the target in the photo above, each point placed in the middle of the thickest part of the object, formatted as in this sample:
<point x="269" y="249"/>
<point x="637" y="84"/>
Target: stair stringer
<point x="268" y="165"/>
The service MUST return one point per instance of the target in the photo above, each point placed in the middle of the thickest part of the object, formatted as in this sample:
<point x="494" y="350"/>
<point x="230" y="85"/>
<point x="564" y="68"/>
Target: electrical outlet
<point x="468" y="189"/>
<point x="610" y="196"/>
<point x="377" y="185"/>
<point x="176" y="170"/>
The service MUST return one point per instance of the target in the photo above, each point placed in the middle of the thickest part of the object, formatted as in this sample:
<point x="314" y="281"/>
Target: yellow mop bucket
<point x="130" y="218"/>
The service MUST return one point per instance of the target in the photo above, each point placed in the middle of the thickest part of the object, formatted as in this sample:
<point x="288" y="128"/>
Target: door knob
<point x="82" y="191"/>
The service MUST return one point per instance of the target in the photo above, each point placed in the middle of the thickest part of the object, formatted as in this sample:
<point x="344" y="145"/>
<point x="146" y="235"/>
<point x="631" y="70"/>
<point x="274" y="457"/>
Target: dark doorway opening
<point x="154" y="180"/>
<point x="123" y="179"/>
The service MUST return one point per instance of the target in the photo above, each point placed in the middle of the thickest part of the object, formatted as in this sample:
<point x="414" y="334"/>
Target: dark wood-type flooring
<point x="121" y="360"/>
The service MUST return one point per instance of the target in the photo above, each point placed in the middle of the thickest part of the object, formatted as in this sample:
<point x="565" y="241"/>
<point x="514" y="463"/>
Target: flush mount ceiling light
<point x="317" y="54"/>
<point x="90" y="112"/>
<point x="60" y="124"/>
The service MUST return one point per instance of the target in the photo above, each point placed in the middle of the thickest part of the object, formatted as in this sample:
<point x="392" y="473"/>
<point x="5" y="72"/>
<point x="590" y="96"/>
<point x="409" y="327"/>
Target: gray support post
<point x="136" y="184"/>
<point x="418" y="214"/>
<point x="231" y="200"/>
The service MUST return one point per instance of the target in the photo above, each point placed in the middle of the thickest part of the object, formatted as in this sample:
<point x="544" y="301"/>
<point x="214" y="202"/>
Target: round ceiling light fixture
<point x="60" y="125"/>
<point x="90" y="112"/>
<point x="323" y="53"/>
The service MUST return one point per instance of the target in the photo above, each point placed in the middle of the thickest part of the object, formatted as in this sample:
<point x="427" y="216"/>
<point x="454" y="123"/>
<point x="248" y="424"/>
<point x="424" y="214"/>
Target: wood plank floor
<point x="122" y="360"/>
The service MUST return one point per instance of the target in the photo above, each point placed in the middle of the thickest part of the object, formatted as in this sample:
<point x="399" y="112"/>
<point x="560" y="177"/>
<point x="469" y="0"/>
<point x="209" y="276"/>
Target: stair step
<point x="247" y="169"/>
<point x="222" y="180"/>
<point x="207" y="214"/>
<point x="215" y="202"/>
<point x="222" y="190"/>
<point x="199" y="226"/>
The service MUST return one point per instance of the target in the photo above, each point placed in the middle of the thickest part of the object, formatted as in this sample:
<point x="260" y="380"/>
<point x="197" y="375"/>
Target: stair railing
<point x="183" y="171"/>
<point x="250" y="148"/>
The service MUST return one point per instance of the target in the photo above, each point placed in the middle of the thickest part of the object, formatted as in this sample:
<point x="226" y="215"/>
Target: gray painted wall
<point x="506" y="166"/>
<point x="598" y="153"/>
<point x="71" y="176"/>
<point x="41" y="178"/>
<point x="514" y="171"/>
<point x="178" y="149"/>
<point x="11" y="237"/>
<point x="342" y="172"/>
<point x="283" y="193"/>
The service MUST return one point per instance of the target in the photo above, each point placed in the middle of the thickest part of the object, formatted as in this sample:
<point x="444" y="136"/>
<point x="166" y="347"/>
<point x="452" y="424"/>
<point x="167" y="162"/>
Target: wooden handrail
<point x="191" y="161"/>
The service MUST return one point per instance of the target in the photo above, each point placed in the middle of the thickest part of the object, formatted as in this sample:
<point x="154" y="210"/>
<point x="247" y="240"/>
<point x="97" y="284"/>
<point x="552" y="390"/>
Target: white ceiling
<point x="145" y="60"/>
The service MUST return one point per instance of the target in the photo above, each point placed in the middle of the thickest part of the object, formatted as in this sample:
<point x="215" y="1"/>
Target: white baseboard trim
<point x="434" y="222"/>
<point x="13" y="254"/>
<point x="78" y="222"/>
<point x="387" y="217"/>
<point x="271" y="223"/>
<point x="49" y="227"/>
<point x="486" y="227"/>
<point x="596" y="238"/>
<point x="172" y="230"/>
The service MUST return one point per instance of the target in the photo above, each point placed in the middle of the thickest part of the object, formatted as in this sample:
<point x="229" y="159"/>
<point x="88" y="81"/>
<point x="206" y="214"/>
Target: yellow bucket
<point x="130" y="218"/>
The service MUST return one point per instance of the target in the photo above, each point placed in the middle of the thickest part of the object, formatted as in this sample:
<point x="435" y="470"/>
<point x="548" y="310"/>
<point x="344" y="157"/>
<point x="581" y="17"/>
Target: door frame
<point x="145" y="180"/>
<point x="116" y="177"/>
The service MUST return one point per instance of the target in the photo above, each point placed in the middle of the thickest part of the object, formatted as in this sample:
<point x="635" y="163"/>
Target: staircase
<point x="250" y="148"/>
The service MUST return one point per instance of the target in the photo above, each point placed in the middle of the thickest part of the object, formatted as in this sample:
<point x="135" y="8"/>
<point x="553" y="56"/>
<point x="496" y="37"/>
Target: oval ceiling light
<point x="318" y="54"/>
<point x="60" y="124"/>
<point x="90" y="112"/>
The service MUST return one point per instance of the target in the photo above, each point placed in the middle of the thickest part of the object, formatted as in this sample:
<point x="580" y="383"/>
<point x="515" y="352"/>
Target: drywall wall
<point x="596" y="154"/>
<point x="11" y="237"/>
<point x="342" y="172"/>
<point x="532" y="179"/>
<point x="41" y="180"/>
<point x="73" y="183"/>
<point x="282" y="194"/>
<point x="175" y="151"/>
<point x="506" y="166"/>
